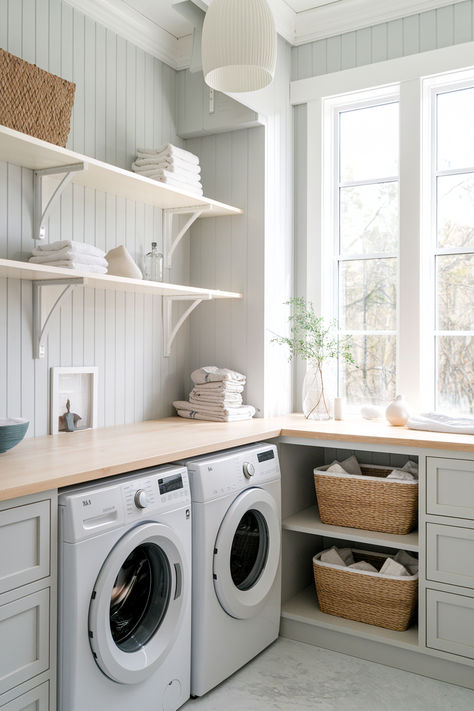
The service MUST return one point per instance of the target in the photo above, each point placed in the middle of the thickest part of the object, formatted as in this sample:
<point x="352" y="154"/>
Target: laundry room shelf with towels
<point x="32" y="153"/>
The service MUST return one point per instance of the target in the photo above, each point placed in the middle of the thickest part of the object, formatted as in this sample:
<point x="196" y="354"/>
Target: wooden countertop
<point x="61" y="460"/>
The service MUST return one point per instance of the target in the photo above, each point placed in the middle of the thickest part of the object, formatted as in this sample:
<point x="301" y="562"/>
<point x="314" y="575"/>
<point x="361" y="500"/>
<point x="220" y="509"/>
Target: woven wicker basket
<point x="34" y="101"/>
<point x="367" y="597"/>
<point x="369" y="501"/>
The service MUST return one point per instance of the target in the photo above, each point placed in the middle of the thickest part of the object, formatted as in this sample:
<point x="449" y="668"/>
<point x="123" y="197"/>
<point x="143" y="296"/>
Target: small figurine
<point x="68" y="421"/>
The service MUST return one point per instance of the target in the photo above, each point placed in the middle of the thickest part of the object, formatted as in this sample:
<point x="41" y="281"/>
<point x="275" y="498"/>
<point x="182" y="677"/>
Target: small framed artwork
<point x="73" y="399"/>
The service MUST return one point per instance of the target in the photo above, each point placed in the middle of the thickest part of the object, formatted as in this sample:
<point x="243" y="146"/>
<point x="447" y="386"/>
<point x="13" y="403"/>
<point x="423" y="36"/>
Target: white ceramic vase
<point x="397" y="412"/>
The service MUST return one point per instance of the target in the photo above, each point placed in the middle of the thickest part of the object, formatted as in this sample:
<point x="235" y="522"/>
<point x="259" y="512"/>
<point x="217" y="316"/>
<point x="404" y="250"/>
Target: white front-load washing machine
<point x="125" y="593"/>
<point x="236" y="560"/>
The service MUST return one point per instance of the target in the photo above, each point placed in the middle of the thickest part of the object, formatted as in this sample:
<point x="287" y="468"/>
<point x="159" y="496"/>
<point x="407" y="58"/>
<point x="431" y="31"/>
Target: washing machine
<point x="124" y="637"/>
<point x="236" y="504"/>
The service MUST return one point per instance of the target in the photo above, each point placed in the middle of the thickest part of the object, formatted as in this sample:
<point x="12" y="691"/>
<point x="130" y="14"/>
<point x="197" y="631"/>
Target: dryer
<point x="125" y="593"/>
<point x="236" y="504"/>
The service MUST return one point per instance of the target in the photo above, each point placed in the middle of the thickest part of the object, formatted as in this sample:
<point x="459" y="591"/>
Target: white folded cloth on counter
<point x="219" y="388"/>
<point x="168" y="150"/>
<point x="437" y="422"/>
<point x="195" y="415"/>
<point x="69" y="245"/>
<point x="231" y="400"/>
<point x="215" y="409"/>
<point x="78" y="266"/>
<point x="211" y="373"/>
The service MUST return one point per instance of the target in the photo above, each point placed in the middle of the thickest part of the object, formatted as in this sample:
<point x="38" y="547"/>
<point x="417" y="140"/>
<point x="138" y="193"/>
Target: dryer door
<point x="247" y="553"/>
<point x="136" y="603"/>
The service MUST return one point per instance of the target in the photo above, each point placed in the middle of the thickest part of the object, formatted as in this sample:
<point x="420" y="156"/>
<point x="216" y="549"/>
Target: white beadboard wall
<point x="445" y="26"/>
<point x="228" y="253"/>
<point x="124" y="98"/>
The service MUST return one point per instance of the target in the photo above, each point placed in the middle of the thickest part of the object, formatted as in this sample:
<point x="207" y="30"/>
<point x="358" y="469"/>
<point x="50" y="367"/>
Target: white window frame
<point x="410" y="76"/>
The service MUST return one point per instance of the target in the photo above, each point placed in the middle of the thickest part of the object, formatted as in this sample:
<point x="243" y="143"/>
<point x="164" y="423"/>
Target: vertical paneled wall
<point x="124" y="99"/>
<point x="228" y="253"/>
<point x="448" y="25"/>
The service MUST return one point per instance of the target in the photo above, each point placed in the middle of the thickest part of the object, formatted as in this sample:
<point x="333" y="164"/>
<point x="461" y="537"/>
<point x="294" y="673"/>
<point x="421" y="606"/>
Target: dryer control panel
<point x="88" y="511"/>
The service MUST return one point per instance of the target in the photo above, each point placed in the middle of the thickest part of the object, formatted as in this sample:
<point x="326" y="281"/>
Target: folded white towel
<point x="168" y="150"/>
<point x="218" y="388"/>
<point x="437" y="422"/>
<point x="190" y="189"/>
<point x="66" y="255"/>
<point x="174" y="165"/>
<point x="211" y="373"/>
<point x="78" y="266"/>
<point x="228" y="401"/>
<point x="194" y="415"/>
<point x="215" y="409"/>
<point x="73" y="246"/>
<point x="179" y="177"/>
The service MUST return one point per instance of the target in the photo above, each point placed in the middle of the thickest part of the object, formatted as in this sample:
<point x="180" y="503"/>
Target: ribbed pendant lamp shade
<point x="238" y="45"/>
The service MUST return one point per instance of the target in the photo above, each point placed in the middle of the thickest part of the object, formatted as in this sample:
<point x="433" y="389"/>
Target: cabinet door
<point x="24" y="545"/>
<point x="450" y="554"/>
<point x="34" y="700"/>
<point x="450" y="623"/>
<point x="450" y="487"/>
<point x="24" y="635"/>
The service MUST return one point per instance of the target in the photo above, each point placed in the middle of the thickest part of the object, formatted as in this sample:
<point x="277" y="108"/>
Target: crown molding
<point x="143" y="33"/>
<point x="348" y="15"/>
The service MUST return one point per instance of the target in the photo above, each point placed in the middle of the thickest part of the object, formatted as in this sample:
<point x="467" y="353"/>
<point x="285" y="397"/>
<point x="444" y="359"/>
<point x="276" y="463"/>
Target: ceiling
<point x="157" y="27"/>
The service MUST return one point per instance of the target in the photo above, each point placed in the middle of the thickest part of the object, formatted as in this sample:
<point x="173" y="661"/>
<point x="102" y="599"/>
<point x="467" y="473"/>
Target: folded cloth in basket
<point x="337" y="556"/>
<point x="437" y="422"/>
<point x="409" y="472"/>
<point x="348" y="466"/>
<point x="211" y="373"/>
<point x="402" y="564"/>
<point x="71" y="245"/>
<point x="194" y="415"/>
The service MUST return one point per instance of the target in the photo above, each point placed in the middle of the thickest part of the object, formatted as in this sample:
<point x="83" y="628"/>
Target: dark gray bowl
<point x="12" y="431"/>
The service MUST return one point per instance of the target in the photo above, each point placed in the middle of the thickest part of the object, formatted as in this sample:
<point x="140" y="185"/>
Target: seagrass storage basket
<point x="34" y="101"/>
<point x="369" y="501"/>
<point x="381" y="600"/>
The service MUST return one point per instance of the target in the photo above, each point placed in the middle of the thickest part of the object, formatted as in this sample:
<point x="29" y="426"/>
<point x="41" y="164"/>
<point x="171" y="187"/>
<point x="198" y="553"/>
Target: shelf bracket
<point x="169" y="331"/>
<point x="44" y="199"/>
<point x="45" y="304"/>
<point x="169" y="242"/>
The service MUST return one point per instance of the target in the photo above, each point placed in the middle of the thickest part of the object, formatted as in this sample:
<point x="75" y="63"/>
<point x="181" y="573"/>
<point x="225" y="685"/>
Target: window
<point x="452" y="246"/>
<point x="396" y="244"/>
<point x="366" y="246"/>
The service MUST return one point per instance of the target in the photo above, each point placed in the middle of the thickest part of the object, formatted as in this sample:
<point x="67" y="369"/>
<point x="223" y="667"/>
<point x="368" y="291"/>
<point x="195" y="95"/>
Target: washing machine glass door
<point x="135" y="606"/>
<point x="247" y="553"/>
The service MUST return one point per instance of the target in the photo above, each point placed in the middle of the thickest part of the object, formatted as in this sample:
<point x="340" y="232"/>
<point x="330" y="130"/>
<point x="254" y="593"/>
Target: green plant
<point x="313" y="338"/>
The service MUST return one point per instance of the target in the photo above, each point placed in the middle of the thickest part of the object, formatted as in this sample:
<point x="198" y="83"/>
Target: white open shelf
<point x="30" y="152"/>
<point x="308" y="521"/>
<point x="304" y="608"/>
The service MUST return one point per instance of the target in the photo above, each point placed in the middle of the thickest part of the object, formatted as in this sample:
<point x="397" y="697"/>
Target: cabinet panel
<point x="450" y="554"/>
<point x="24" y="545"/>
<point x="34" y="700"/>
<point x="450" y="623"/>
<point x="24" y="631"/>
<point x="450" y="487"/>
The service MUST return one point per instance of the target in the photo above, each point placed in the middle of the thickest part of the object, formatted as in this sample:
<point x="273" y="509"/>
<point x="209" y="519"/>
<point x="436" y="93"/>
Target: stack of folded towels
<point x="71" y="255"/>
<point x="401" y="564"/>
<point x="170" y="165"/>
<point x="350" y="466"/>
<point x="216" y="396"/>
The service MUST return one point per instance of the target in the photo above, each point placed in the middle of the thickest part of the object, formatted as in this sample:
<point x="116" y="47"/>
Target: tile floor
<point x="290" y="676"/>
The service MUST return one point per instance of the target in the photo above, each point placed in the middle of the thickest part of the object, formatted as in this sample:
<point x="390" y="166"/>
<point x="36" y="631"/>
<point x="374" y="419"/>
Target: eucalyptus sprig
<point x="313" y="338"/>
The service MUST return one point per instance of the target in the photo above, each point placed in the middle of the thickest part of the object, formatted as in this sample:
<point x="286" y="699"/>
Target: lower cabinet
<point x="36" y="699"/>
<point x="450" y="623"/>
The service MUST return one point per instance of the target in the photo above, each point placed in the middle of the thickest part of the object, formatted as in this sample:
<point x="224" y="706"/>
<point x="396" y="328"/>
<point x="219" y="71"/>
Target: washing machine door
<point x="247" y="553"/>
<point x="135" y="608"/>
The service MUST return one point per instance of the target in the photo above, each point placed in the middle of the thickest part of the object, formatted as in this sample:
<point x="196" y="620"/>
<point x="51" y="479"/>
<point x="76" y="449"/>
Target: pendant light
<point x="238" y="45"/>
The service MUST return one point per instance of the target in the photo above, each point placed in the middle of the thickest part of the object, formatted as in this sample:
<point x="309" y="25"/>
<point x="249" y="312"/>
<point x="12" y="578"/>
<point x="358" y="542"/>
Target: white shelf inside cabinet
<point x="33" y="153"/>
<point x="308" y="521"/>
<point x="304" y="608"/>
<point x="58" y="281"/>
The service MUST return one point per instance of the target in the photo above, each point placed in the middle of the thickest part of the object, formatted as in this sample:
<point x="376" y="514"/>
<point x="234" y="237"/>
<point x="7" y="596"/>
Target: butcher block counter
<point x="44" y="463"/>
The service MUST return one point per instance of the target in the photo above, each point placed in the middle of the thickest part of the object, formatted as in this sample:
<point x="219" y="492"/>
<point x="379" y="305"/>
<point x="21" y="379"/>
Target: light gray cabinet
<point x="450" y="487"/>
<point x="450" y="623"/>
<point x="28" y="533"/>
<point x="450" y="554"/>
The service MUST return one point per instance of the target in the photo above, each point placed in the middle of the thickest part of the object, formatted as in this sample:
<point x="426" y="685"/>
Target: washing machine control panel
<point x="140" y="498"/>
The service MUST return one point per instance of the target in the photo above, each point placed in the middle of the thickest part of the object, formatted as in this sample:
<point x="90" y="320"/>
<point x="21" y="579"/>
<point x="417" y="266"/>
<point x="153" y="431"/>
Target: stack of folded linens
<point x="216" y="396"/>
<point x="71" y="255"/>
<point x="170" y="165"/>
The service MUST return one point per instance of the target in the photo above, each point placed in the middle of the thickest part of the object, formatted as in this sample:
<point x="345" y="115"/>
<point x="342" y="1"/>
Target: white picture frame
<point x="79" y="385"/>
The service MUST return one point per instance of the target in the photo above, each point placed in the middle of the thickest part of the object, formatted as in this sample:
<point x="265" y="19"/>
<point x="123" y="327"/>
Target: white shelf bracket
<point x="45" y="196"/>
<point x="169" y="242"/>
<point x="45" y="304"/>
<point x="169" y="331"/>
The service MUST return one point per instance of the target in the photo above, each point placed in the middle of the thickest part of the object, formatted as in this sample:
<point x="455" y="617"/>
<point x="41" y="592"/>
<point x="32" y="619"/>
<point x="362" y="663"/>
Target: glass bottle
<point x="154" y="264"/>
